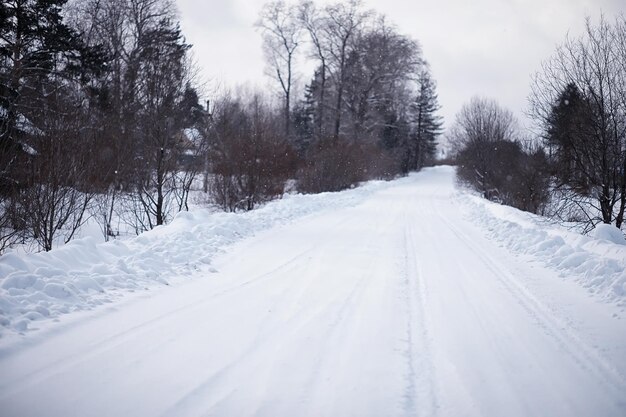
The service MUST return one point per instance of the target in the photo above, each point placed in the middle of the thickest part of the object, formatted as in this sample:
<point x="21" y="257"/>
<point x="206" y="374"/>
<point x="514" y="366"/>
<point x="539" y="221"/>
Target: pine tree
<point x="161" y="87"/>
<point x="303" y="118"/>
<point x="564" y="134"/>
<point x="427" y="124"/>
<point x="36" y="48"/>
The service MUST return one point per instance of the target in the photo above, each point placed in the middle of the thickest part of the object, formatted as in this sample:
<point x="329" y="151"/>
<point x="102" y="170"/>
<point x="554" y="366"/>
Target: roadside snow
<point x="597" y="262"/>
<point x="399" y="305"/>
<point x="85" y="274"/>
<point x="608" y="232"/>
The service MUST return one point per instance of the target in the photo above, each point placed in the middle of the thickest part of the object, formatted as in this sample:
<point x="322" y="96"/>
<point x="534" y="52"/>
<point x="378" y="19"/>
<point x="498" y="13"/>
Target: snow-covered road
<point x="399" y="306"/>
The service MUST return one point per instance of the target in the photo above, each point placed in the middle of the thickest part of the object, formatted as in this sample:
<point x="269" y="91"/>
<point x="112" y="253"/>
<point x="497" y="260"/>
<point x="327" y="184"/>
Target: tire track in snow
<point x="585" y="356"/>
<point x="338" y="333"/>
<point x="122" y="336"/>
<point x="380" y="310"/>
<point x="269" y="335"/>
<point x="338" y="311"/>
<point x="118" y="339"/>
<point x="420" y="395"/>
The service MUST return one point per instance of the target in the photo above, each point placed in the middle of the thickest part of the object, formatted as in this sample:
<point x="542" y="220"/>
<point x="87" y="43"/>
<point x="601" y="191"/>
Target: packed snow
<point x="83" y="274"/>
<point x="597" y="262"/>
<point x="400" y="298"/>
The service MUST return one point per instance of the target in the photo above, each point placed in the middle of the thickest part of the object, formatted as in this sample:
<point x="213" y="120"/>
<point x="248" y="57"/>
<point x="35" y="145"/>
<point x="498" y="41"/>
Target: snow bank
<point x="608" y="232"/>
<point x="596" y="261"/>
<point x="85" y="274"/>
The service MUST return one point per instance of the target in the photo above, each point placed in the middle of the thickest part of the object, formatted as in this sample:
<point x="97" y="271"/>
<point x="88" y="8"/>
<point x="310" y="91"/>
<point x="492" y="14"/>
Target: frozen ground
<point x="395" y="299"/>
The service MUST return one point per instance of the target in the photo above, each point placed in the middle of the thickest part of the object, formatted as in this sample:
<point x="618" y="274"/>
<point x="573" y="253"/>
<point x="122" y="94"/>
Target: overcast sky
<point x="475" y="47"/>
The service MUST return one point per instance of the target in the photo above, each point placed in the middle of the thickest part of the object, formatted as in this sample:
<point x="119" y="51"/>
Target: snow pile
<point x="610" y="233"/>
<point x="85" y="274"/>
<point x="597" y="261"/>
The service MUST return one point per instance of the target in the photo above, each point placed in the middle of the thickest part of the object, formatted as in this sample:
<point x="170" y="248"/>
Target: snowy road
<point x="396" y="307"/>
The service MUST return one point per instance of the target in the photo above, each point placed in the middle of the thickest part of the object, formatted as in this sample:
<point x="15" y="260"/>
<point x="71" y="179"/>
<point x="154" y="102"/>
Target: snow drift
<point x="84" y="274"/>
<point x="597" y="261"/>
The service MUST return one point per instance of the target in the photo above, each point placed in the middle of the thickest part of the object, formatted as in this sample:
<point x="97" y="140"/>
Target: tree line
<point x="101" y="117"/>
<point x="574" y="169"/>
<point x="369" y="109"/>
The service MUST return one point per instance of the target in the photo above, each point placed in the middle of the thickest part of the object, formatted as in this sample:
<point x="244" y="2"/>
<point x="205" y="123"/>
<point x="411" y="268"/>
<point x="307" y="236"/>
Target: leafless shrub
<point x="334" y="165"/>
<point x="579" y="100"/>
<point x="250" y="159"/>
<point x="491" y="158"/>
<point x="12" y="223"/>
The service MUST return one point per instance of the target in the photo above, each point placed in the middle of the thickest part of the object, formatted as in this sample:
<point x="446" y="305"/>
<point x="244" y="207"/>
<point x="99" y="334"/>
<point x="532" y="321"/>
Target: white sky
<point x="480" y="47"/>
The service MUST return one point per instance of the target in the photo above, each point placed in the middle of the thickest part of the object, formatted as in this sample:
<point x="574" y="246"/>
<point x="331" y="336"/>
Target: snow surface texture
<point x="84" y="274"/>
<point x="383" y="301"/>
<point x="597" y="262"/>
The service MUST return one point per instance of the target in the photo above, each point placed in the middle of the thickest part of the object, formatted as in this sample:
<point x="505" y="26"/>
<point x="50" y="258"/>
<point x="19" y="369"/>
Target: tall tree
<point x="45" y="70"/>
<point x="35" y="45"/>
<point x="567" y="129"/>
<point x="147" y="100"/>
<point x="342" y="23"/>
<point x="312" y="19"/>
<point x="380" y="65"/>
<point x="161" y="90"/>
<point x="427" y="124"/>
<point x="282" y="35"/>
<point x="589" y="73"/>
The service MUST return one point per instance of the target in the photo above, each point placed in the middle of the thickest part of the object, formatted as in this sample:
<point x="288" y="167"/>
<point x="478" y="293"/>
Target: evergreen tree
<point x="303" y="127"/>
<point x="316" y="101"/>
<point x="36" y="49"/>
<point x="161" y="89"/>
<point x="394" y="137"/>
<point x="566" y="129"/>
<point x="192" y="112"/>
<point x="427" y="124"/>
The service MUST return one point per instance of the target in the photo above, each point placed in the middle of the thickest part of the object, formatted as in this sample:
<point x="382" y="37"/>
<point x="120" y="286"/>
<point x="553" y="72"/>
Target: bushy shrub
<point x="337" y="164"/>
<point x="504" y="172"/>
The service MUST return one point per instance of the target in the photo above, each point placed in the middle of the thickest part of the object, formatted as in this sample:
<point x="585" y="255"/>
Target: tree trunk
<point x="320" y="121"/>
<point x="619" y="220"/>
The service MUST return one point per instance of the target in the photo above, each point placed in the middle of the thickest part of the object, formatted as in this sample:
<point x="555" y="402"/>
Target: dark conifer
<point x="427" y="124"/>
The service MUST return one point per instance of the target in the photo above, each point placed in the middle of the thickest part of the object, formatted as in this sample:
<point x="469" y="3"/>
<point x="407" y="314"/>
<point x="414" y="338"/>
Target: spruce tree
<point x="303" y="118"/>
<point x="37" y="49"/>
<point x="567" y="127"/>
<point x="427" y="124"/>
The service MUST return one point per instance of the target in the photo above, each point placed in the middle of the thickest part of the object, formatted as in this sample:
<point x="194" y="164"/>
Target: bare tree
<point x="251" y="159"/>
<point x="364" y="82"/>
<point x="494" y="159"/>
<point x="161" y="86"/>
<point x="343" y="21"/>
<point x="55" y="202"/>
<point x="333" y="30"/>
<point x="313" y="21"/>
<point x="282" y="35"/>
<point x="103" y="210"/>
<point x="193" y="156"/>
<point x="12" y="226"/>
<point x="380" y="65"/>
<point x="141" y="112"/>
<point x="579" y="99"/>
<point x="480" y="127"/>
